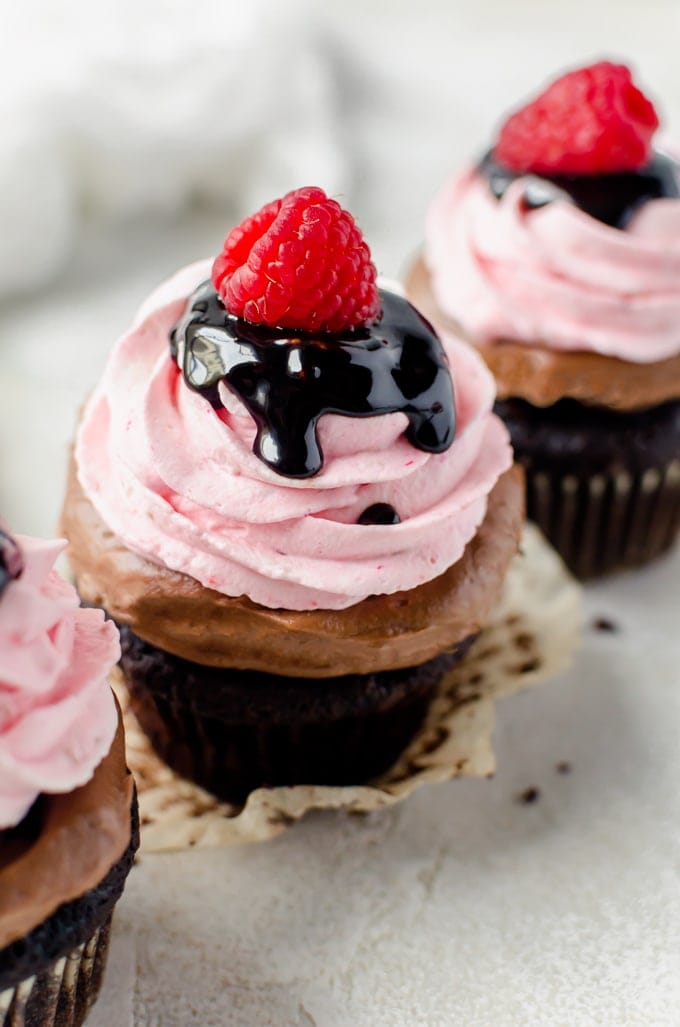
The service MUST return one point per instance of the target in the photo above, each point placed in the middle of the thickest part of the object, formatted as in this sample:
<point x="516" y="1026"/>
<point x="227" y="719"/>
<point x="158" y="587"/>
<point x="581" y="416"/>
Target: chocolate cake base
<point x="603" y="486"/>
<point x="232" y="731"/>
<point x="53" y="975"/>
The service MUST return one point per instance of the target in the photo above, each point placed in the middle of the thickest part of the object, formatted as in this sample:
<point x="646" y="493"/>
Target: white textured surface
<point x="463" y="906"/>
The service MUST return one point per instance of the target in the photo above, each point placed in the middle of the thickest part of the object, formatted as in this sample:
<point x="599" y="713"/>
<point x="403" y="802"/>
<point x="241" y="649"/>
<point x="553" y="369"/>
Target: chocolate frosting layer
<point x="542" y="376"/>
<point x="176" y="613"/>
<point x="66" y="846"/>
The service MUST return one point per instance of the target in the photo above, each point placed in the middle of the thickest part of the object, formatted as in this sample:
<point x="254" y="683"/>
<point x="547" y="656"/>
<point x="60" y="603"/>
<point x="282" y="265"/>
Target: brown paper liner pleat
<point x="62" y="994"/>
<point x="607" y="522"/>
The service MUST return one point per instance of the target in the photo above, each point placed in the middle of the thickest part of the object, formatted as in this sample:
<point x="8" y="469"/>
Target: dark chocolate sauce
<point x="288" y="379"/>
<point x="379" y="513"/>
<point x="612" y="199"/>
<point x="15" y="841"/>
<point x="11" y="560"/>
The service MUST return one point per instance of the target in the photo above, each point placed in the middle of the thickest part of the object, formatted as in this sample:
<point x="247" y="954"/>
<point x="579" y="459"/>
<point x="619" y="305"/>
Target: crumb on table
<point x="529" y="795"/>
<point x="605" y="624"/>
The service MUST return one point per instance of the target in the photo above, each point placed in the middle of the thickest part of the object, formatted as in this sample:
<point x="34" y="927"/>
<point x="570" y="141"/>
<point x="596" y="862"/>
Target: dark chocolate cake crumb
<point x="563" y="767"/>
<point x="529" y="795"/>
<point x="605" y="624"/>
<point x="276" y="730"/>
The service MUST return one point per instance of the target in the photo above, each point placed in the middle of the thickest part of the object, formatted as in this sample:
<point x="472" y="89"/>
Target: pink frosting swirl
<point x="179" y="484"/>
<point x="555" y="275"/>
<point x="57" y="714"/>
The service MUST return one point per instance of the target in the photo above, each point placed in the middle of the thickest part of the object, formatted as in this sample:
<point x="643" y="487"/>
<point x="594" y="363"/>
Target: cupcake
<point x="558" y="256"/>
<point x="68" y="814"/>
<point x="295" y="501"/>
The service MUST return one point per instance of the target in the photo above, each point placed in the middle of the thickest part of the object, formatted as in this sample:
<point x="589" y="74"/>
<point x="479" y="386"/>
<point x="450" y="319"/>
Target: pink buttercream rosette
<point x="180" y="485"/>
<point x="555" y="275"/>
<point x="57" y="714"/>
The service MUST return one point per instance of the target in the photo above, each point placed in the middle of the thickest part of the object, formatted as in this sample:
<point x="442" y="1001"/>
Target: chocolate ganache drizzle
<point x="612" y="199"/>
<point x="379" y="513"/>
<point x="288" y="379"/>
<point x="11" y="560"/>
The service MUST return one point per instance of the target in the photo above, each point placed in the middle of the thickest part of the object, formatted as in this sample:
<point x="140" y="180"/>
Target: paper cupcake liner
<point x="61" y="995"/>
<point x="606" y="522"/>
<point x="530" y="637"/>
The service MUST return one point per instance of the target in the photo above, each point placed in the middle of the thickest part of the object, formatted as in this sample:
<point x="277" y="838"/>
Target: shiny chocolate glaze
<point x="379" y="513"/>
<point x="288" y="379"/>
<point x="11" y="560"/>
<point x="612" y="199"/>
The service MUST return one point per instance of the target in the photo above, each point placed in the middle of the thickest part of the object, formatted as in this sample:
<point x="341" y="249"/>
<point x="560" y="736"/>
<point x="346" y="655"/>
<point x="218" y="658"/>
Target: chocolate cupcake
<point x="68" y="814"/>
<point x="295" y="501"/>
<point x="558" y="256"/>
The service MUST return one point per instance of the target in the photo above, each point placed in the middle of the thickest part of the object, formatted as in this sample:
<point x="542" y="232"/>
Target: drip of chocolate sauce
<point x="612" y="199"/>
<point x="288" y="379"/>
<point x="11" y="560"/>
<point x="379" y="513"/>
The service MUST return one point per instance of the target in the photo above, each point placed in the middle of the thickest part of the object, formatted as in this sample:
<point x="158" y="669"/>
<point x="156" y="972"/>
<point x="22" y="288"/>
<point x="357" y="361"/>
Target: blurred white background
<point x="134" y="134"/>
<point x="133" y="108"/>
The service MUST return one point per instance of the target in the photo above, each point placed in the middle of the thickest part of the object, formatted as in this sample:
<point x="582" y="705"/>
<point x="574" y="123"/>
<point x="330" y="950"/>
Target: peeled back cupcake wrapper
<point x="529" y="638"/>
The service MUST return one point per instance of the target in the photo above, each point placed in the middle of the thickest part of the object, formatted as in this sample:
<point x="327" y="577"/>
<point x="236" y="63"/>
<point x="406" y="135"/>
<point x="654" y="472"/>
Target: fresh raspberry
<point x="590" y="121"/>
<point x="300" y="262"/>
